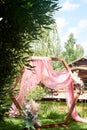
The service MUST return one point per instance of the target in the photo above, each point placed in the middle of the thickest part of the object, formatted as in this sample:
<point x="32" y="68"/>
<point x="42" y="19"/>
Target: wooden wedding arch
<point x="71" y="107"/>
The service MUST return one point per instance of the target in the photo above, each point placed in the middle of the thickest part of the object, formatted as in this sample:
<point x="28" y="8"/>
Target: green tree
<point x="21" y="21"/>
<point x="49" y="43"/>
<point x="72" y="50"/>
<point x="20" y="24"/>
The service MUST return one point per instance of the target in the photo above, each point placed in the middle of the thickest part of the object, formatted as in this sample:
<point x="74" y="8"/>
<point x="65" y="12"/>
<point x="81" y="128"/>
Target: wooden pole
<point x="78" y="92"/>
<point x="63" y="61"/>
<point x="71" y="109"/>
<point x="52" y="125"/>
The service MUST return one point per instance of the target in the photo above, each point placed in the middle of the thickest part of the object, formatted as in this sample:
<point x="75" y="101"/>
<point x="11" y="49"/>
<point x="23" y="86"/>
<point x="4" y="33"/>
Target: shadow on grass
<point x="11" y="124"/>
<point x="48" y="114"/>
<point x="17" y="124"/>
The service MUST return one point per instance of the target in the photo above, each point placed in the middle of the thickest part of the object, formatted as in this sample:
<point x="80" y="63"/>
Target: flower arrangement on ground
<point x="30" y="113"/>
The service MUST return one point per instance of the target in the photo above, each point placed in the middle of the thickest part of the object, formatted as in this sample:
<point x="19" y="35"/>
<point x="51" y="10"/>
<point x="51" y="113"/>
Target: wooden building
<point x="81" y="66"/>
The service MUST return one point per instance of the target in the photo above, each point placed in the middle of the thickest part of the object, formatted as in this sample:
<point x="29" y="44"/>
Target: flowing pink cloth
<point x="43" y="72"/>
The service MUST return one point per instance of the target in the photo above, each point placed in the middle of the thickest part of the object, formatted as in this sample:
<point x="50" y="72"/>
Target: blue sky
<point x="72" y="18"/>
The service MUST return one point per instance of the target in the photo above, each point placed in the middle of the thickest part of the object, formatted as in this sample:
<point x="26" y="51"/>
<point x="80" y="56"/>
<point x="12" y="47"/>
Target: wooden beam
<point x="62" y="124"/>
<point x="63" y="61"/>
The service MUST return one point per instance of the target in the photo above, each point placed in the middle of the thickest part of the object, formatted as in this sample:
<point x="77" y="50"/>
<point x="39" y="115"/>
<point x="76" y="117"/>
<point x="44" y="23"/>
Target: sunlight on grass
<point x="51" y="112"/>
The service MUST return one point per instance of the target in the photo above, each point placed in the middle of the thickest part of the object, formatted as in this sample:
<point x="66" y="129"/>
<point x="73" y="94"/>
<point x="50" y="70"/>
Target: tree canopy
<point x="48" y="44"/>
<point x="21" y="21"/>
<point x="73" y="50"/>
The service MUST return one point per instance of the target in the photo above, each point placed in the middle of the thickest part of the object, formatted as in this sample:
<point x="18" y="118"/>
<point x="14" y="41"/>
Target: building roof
<point x="81" y="65"/>
<point x="81" y="61"/>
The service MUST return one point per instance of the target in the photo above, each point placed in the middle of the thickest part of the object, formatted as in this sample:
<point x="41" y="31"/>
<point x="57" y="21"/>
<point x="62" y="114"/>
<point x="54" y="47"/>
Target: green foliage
<point x="11" y="124"/>
<point x="29" y="125"/>
<point x="72" y="49"/>
<point x="37" y="93"/>
<point x="49" y="43"/>
<point x="20" y="24"/>
<point x="21" y="21"/>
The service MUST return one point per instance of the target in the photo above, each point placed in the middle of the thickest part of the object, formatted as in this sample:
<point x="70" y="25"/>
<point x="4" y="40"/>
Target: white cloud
<point x="84" y="45"/>
<point x="77" y="30"/>
<point x="67" y="26"/>
<point x="73" y="30"/>
<point x="68" y="6"/>
<point x="84" y="1"/>
<point x="61" y="23"/>
<point x="82" y="23"/>
<point x="70" y="30"/>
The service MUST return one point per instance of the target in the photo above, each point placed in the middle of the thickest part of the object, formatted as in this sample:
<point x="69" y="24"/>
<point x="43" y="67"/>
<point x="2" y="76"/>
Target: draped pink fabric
<point x="43" y="72"/>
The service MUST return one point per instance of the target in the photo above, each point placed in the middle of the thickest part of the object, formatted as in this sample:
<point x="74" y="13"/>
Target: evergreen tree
<point x="21" y="21"/>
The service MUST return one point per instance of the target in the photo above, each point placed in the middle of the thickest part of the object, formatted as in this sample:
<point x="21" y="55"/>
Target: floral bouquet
<point x="78" y="83"/>
<point x="31" y="114"/>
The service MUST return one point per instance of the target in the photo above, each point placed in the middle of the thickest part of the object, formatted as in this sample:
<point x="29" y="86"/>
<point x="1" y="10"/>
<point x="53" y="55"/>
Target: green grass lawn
<point x="51" y="112"/>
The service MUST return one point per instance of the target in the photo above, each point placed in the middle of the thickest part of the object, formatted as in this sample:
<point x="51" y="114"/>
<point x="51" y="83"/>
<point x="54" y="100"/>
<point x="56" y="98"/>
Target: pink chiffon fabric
<point x="43" y="72"/>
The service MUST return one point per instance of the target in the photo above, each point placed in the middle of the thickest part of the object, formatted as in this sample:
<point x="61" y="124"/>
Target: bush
<point x="37" y="93"/>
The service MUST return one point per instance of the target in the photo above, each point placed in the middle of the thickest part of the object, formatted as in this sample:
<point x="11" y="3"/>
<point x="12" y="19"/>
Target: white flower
<point x="76" y="78"/>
